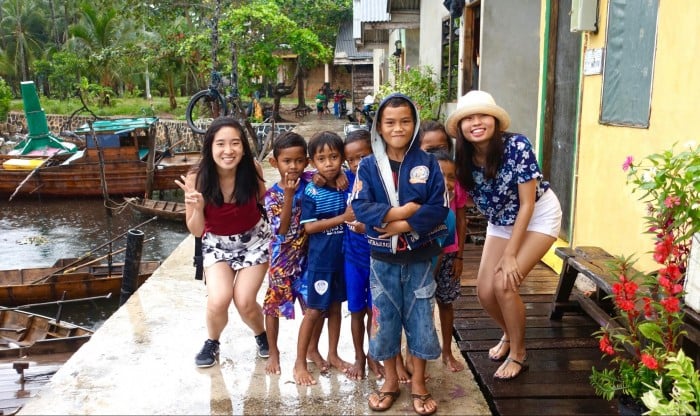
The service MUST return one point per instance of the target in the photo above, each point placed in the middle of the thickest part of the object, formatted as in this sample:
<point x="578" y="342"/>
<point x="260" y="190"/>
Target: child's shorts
<point x="546" y="219"/>
<point x="402" y="297"/>
<point x="239" y="250"/>
<point x="448" y="288"/>
<point x="280" y="297"/>
<point x="357" y="285"/>
<point x="325" y="288"/>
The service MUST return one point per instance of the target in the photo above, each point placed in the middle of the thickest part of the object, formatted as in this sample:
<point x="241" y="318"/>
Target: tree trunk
<point x="171" y="93"/>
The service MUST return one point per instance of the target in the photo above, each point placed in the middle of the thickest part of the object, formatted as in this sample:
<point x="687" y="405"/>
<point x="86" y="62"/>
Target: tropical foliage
<point x="131" y="47"/>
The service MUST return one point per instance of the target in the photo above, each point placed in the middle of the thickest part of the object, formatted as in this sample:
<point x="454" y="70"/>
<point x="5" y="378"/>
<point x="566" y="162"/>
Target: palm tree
<point x="101" y="38"/>
<point x="22" y="30"/>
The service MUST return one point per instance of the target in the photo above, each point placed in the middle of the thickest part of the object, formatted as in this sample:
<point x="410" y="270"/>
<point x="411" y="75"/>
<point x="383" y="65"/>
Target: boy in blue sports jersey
<point x="324" y="213"/>
<point x="400" y="196"/>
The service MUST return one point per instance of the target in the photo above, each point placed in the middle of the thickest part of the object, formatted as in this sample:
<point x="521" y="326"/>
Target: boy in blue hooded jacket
<point x="400" y="196"/>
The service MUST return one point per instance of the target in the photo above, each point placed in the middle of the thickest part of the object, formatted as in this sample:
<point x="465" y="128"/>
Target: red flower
<point x="649" y="361"/>
<point x="671" y="304"/>
<point x="628" y="163"/>
<point x="672" y="201"/>
<point x="606" y="346"/>
<point x="648" y="311"/>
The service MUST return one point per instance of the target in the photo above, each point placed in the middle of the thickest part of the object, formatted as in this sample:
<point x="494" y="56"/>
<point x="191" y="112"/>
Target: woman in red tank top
<point x="222" y="196"/>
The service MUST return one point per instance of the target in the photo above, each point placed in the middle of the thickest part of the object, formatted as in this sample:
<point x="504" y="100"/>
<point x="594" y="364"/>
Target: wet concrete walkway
<point x="141" y="360"/>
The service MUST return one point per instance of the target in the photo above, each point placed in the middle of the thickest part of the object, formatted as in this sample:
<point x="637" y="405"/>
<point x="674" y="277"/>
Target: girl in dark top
<point x="221" y="197"/>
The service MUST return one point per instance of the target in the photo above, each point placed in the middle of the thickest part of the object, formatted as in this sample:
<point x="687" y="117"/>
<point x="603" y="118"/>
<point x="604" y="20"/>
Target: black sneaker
<point x="263" y="346"/>
<point x="207" y="356"/>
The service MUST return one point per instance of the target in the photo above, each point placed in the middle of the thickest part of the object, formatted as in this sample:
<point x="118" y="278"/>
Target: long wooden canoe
<point x="46" y="284"/>
<point x="169" y="210"/>
<point x="23" y="333"/>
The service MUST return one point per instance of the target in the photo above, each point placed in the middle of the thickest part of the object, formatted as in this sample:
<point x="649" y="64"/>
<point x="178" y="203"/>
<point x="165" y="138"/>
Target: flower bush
<point x="648" y="306"/>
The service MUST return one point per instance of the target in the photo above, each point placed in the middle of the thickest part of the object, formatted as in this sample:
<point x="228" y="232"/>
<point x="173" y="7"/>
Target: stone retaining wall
<point x="168" y="131"/>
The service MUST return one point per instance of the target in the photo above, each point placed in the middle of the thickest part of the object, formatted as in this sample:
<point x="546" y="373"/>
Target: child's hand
<point x="457" y="269"/>
<point x="318" y="180"/>
<point x="290" y="185"/>
<point x="393" y="228"/>
<point x="410" y="208"/>
<point x="341" y="182"/>
<point x="349" y="214"/>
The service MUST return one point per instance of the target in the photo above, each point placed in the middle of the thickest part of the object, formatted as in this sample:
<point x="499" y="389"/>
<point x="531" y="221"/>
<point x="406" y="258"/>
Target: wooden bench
<point x="594" y="262"/>
<point x="302" y="112"/>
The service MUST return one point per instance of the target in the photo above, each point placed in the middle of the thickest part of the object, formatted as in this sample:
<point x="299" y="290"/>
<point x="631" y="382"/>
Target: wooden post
<point x="150" y="161"/>
<point x="132" y="262"/>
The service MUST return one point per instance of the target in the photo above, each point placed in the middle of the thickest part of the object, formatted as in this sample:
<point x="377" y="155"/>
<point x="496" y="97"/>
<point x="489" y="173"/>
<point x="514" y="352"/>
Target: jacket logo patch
<point x="419" y="174"/>
<point x="321" y="287"/>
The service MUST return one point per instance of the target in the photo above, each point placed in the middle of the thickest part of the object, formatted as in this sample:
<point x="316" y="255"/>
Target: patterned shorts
<point x="448" y="288"/>
<point x="239" y="250"/>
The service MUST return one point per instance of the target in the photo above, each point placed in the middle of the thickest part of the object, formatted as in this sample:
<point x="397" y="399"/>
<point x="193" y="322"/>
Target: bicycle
<point x="206" y="105"/>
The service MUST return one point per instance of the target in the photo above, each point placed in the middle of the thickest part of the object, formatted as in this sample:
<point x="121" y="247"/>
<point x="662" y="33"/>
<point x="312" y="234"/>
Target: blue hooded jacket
<point x="419" y="181"/>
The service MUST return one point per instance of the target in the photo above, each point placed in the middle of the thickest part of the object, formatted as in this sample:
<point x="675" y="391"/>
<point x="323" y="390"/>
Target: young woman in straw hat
<point x="500" y="171"/>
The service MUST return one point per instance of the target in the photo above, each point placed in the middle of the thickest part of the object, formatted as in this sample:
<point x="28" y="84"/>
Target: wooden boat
<point x="22" y="333"/>
<point x="45" y="284"/>
<point x="169" y="210"/>
<point x="119" y="159"/>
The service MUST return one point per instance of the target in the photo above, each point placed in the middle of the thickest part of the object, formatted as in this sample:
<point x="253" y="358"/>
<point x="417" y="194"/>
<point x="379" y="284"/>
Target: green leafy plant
<point x="648" y="306"/>
<point x="419" y="84"/>
<point x="5" y="98"/>
<point x="684" y="382"/>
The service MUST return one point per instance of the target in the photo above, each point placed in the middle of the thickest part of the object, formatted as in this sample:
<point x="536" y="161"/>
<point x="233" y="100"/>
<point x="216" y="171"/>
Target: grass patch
<point x="126" y="107"/>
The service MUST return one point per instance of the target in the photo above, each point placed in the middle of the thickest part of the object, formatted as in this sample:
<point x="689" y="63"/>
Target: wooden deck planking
<point x="560" y="353"/>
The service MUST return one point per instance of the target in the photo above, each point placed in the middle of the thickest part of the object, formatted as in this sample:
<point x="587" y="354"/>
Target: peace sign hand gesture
<point x="193" y="198"/>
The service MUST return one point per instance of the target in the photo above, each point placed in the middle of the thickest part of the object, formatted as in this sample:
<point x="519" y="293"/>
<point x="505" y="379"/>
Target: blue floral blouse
<point x="497" y="198"/>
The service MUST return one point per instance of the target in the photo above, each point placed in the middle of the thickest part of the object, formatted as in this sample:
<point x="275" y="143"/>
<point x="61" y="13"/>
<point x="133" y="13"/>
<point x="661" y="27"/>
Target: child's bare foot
<point x="357" y="370"/>
<point x="338" y="363"/>
<point x="302" y="375"/>
<point x="376" y="367"/>
<point x="451" y="362"/>
<point x="409" y="369"/>
<point x="404" y="375"/>
<point x="316" y="358"/>
<point x="273" y="364"/>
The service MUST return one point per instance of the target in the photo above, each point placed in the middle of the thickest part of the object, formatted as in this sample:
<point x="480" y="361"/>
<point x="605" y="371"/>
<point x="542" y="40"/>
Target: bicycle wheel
<point x="204" y="107"/>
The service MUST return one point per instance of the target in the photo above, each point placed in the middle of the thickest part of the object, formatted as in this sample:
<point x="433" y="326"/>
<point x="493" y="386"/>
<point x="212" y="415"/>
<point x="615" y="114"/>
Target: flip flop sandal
<point x="423" y="399"/>
<point x="500" y="347"/>
<point x="391" y="395"/>
<point x="523" y="367"/>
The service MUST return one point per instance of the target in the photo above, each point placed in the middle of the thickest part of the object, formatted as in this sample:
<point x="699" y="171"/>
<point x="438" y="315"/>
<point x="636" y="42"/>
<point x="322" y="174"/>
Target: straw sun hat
<point x="476" y="102"/>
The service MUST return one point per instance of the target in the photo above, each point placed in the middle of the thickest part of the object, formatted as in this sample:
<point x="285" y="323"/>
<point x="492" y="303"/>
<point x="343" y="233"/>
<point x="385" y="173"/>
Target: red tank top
<point x="230" y="219"/>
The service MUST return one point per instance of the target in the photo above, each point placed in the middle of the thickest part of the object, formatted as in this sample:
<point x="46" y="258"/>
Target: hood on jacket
<point x="379" y="145"/>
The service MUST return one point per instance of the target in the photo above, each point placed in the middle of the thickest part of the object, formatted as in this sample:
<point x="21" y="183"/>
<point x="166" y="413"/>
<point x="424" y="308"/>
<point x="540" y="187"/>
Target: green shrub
<point x="5" y="98"/>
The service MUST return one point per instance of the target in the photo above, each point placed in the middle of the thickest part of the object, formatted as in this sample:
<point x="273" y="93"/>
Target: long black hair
<point x="247" y="176"/>
<point x="465" y="157"/>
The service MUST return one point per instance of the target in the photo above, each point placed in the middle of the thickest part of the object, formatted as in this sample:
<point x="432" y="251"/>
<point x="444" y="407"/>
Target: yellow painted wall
<point x="606" y="213"/>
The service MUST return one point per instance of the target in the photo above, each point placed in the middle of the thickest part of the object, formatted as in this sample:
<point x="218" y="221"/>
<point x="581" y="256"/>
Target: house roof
<point x="345" y="50"/>
<point x="373" y="19"/>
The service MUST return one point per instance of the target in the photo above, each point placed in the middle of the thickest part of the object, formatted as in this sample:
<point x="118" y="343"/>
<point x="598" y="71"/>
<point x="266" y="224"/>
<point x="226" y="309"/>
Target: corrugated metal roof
<point x="374" y="11"/>
<point x="345" y="45"/>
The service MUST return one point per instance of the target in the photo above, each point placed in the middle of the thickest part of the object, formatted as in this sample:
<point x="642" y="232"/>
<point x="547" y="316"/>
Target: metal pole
<point x="132" y="261"/>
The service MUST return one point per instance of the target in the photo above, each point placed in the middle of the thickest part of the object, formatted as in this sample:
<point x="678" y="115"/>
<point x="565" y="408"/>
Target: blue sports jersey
<point x="326" y="247"/>
<point x="356" y="246"/>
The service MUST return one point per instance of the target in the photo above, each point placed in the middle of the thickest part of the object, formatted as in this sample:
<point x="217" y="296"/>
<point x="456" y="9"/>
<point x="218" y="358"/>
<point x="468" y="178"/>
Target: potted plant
<point x="649" y="306"/>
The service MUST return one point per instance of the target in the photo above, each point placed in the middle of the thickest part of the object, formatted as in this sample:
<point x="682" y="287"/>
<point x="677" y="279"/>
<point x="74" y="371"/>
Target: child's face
<point x="290" y="162"/>
<point x="396" y="128"/>
<point x="449" y="172"/>
<point x="227" y="148"/>
<point x="328" y="163"/>
<point x="434" y="139"/>
<point x="355" y="151"/>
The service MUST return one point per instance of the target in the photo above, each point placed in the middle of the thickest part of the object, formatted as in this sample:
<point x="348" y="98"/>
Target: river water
<point x="36" y="232"/>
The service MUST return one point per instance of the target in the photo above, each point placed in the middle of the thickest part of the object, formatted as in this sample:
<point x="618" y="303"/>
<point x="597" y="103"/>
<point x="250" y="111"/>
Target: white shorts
<point x="239" y="250"/>
<point x="546" y="219"/>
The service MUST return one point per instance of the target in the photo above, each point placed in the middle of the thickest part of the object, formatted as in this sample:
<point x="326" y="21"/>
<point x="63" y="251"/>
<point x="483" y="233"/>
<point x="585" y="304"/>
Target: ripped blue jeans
<point x="402" y="297"/>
